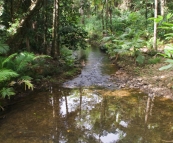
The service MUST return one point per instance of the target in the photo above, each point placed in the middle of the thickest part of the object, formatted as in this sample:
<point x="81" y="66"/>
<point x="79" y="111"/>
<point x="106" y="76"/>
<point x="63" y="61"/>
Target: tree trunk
<point x="31" y="11"/>
<point x="110" y="12"/>
<point x="146" y="14"/>
<point x="27" y="44"/>
<point x="162" y="7"/>
<point x="81" y="11"/>
<point x="155" y="26"/>
<point x="107" y="15"/>
<point x="58" y="25"/>
<point x="54" y="29"/>
<point x="11" y="11"/>
<point x="103" y="23"/>
<point x="45" y="28"/>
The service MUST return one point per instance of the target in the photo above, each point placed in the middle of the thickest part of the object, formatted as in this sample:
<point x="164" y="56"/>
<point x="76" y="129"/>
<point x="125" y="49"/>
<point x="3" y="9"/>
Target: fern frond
<point x="27" y="83"/>
<point x="4" y="48"/>
<point x="6" y="74"/>
<point x="26" y="78"/>
<point x="1" y="60"/>
<point x="7" y="92"/>
<point x="8" y="59"/>
<point x="42" y="56"/>
<point x="23" y="59"/>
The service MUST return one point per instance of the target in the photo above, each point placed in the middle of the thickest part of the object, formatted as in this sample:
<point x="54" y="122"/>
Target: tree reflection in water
<point x="89" y="115"/>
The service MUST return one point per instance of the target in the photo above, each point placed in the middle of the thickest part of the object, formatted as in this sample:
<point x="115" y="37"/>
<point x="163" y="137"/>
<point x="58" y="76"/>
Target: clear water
<point x="89" y="112"/>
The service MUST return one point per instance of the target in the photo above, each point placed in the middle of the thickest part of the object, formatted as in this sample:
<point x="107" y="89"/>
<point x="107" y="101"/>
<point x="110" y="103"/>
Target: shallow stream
<point x="89" y="109"/>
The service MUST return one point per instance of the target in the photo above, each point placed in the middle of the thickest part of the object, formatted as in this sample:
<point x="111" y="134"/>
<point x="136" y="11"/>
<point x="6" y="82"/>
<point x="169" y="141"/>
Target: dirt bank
<point x="148" y="78"/>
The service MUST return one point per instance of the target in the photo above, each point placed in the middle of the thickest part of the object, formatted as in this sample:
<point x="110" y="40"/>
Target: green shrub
<point x="154" y="60"/>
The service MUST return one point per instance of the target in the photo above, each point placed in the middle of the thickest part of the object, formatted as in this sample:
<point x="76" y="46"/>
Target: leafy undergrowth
<point x="50" y="73"/>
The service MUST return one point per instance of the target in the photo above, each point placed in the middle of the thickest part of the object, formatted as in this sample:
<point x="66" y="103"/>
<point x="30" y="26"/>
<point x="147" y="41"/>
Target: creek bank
<point x="41" y="84"/>
<point x="147" y="78"/>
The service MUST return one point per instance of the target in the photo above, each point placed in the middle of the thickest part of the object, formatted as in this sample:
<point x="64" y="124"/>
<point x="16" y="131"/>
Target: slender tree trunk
<point x="162" y="7"/>
<point x="146" y="14"/>
<point x="27" y="44"/>
<point x="58" y="25"/>
<point x="81" y="10"/>
<point x="11" y="10"/>
<point x="110" y="12"/>
<point x="107" y="15"/>
<point x="55" y="28"/>
<point x="155" y="26"/>
<point x="103" y="23"/>
<point x="45" y="28"/>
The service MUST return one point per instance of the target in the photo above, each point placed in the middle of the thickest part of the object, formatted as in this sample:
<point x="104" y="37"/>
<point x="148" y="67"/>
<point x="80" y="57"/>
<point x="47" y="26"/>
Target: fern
<point x="22" y="61"/>
<point x="27" y="83"/>
<point x="169" y="66"/>
<point x="3" y="48"/>
<point x="7" y="92"/>
<point x="25" y="78"/>
<point x="8" y="59"/>
<point x="41" y="56"/>
<point x="6" y="74"/>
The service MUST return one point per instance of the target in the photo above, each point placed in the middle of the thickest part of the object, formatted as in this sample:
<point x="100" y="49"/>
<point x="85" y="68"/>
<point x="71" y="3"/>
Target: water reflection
<point x="96" y="71"/>
<point x="85" y="115"/>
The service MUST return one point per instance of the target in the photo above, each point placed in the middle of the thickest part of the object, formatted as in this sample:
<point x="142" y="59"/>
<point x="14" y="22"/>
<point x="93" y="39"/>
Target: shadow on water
<point x="88" y="114"/>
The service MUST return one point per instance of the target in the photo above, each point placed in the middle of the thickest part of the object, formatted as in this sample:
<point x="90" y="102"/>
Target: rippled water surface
<point x="86" y="110"/>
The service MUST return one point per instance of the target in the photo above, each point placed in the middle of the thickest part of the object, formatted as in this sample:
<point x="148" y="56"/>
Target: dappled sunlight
<point x="119" y="93"/>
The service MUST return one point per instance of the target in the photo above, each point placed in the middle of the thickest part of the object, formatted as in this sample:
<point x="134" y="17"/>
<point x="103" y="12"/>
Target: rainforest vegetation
<point x="38" y="37"/>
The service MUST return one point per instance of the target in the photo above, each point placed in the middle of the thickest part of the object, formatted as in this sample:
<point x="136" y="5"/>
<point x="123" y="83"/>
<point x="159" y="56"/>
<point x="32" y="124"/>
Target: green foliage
<point x="93" y="25"/>
<point x="129" y="37"/>
<point x="41" y="57"/>
<point x="169" y="66"/>
<point x="7" y="92"/>
<point x="168" y="51"/>
<point x="154" y="60"/>
<point x="165" y="26"/>
<point x="14" y="70"/>
<point x="13" y="27"/>
<point x="140" y="59"/>
<point x="4" y="48"/>
<point x="125" y="45"/>
<point x="7" y="74"/>
<point x="66" y="57"/>
<point x="8" y="59"/>
<point x="27" y="84"/>
<point x="73" y="37"/>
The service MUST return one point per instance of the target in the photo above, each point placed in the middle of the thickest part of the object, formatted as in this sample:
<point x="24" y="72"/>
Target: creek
<point x="89" y="109"/>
